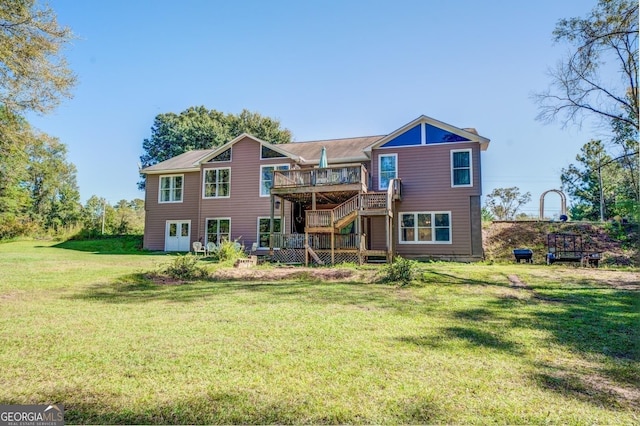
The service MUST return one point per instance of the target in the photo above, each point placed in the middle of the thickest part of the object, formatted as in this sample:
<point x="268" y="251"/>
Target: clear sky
<point x="325" y="69"/>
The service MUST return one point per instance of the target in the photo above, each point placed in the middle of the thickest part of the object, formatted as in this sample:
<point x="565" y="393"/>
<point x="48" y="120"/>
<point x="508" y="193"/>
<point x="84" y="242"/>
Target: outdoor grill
<point x="523" y="254"/>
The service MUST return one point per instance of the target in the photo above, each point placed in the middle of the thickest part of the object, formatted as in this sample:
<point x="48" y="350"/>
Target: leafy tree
<point x="199" y="128"/>
<point x="596" y="173"/>
<point x="129" y="217"/>
<point x="582" y="83"/>
<point x="504" y="203"/>
<point x="38" y="188"/>
<point x="125" y="217"/>
<point x="14" y="197"/>
<point x="54" y="195"/>
<point x="33" y="73"/>
<point x="486" y="214"/>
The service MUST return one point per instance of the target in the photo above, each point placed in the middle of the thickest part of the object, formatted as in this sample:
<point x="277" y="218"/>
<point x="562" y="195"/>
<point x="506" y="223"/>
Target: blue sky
<point x="325" y="69"/>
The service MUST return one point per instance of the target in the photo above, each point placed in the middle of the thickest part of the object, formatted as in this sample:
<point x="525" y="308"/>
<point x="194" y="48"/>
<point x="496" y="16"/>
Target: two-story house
<point x="414" y="192"/>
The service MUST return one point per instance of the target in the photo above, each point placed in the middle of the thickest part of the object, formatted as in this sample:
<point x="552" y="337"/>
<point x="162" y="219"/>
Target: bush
<point x="229" y="251"/>
<point x="401" y="271"/>
<point x="185" y="268"/>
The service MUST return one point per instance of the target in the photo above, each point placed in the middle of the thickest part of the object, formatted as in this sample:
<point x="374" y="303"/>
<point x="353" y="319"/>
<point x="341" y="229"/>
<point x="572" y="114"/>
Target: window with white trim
<point x="264" y="226"/>
<point x="461" y="168"/>
<point x="217" y="183"/>
<point x="266" y="177"/>
<point x="387" y="170"/>
<point x="218" y="230"/>
<point x="425" y="228"/>
<point x="170" y="190"/>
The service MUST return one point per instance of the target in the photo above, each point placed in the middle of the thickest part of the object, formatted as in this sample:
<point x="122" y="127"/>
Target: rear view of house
<point x="414" y="192"/>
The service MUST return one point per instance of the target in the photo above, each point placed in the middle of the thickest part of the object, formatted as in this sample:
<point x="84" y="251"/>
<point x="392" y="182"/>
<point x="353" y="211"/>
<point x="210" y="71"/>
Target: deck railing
<point x="318" y="218"/>
<point x="374" y="200"/>
<point x="345" y="175"/>
<point x="316" y="241"/>
<point x="346" y="208"/>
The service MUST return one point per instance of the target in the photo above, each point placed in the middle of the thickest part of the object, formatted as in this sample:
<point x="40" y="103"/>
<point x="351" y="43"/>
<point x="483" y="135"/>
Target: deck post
<point x="282" y="230"/>
<point x="305" y="245"/>
<point x="272" y="197"/>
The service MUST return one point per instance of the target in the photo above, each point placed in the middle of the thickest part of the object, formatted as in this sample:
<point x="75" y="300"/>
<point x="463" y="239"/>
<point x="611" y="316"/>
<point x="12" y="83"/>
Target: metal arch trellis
<point x="563" y="202"/>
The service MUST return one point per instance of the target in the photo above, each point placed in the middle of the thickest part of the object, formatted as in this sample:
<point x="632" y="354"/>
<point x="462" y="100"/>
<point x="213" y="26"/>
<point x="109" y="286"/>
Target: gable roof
<point x="344" y="150"/>
<point x="338" y="150"/>
<point x="276" y="147"/>
<point x="468" y="133"/>
<point x="184" y="162"/>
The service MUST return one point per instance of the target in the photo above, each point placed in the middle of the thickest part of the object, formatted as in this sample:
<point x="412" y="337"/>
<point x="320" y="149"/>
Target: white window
<point x="171" y="189"/>
<point x="218" y="230"/>
<point x="387" y="170"/>
<point x="264" y="225"/>
<point x="461" y="168"/>
<point x="217" y="183"/>
<point x="425" y="228"/>
<point x="266" y="177"/>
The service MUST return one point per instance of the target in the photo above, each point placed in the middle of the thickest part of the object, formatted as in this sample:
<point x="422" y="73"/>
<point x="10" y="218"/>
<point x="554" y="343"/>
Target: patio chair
<point x="211" y="248"/>
<point x="198" y="248"/>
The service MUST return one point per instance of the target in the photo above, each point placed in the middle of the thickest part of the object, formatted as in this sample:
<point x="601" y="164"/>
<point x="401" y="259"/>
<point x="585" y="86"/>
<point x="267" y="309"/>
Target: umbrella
<point x="323" y="158"/>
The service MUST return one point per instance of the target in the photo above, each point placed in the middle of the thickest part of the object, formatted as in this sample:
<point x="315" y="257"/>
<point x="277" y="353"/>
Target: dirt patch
<point x="290" y="273"/>
<point x="515" y="281"/>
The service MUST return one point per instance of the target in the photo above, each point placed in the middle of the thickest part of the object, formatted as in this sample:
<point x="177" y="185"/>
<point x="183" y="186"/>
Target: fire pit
<point x="523" y="254"/>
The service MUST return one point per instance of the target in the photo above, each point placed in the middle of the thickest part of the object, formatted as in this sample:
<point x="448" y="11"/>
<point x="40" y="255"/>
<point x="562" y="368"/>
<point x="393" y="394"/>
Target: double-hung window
<point x="425" y="228"/>
<point x="266" y="177"/>
<point x="171" y="189"/>
<point x="387" y="170"/>
<point x="218" y="230"/>
<point x="461" y="168"/>
<point x="217" y="183"/>
<point x="264" y="226"/>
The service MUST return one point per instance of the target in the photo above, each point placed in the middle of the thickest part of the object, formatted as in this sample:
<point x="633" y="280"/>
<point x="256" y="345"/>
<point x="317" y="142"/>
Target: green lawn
<point x="82" y="326"/>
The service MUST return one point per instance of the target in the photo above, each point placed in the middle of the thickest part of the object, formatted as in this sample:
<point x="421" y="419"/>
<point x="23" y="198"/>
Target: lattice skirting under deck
<point x="297" y="256"/>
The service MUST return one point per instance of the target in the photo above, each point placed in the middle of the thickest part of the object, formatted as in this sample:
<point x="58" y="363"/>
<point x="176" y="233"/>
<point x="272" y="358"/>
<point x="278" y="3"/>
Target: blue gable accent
<point x="438" y="135"/>
<point x="411" y="137"/>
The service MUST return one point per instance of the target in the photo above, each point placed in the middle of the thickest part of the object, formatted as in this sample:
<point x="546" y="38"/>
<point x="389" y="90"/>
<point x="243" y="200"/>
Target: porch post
<point x="306" y="245"/>
<point x="386" y="232"/>
<point x="272" y="198"/>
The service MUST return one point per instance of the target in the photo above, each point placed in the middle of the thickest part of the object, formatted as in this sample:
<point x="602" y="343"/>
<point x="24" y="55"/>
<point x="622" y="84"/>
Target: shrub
<point x="185" y="268"/>
<point x="401" y="271"/>
<point x="229" y="251"/>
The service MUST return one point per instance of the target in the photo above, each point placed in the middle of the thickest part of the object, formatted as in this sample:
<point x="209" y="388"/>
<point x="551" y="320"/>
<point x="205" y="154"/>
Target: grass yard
<point x="82" y="326"/>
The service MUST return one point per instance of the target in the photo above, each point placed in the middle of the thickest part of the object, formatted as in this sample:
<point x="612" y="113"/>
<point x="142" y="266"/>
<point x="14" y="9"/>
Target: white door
<point x="177" y="235"/>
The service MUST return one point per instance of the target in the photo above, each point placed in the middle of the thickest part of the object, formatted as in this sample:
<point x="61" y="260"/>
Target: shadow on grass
<point x="229" y="407"/>
<point x="130" y="244"/>
<point x="473" y="336"/>
<point x="139" y="289"/>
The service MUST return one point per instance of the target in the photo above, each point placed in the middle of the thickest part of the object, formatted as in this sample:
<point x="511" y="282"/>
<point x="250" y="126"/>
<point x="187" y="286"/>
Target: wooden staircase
<point x="333" y="220"/>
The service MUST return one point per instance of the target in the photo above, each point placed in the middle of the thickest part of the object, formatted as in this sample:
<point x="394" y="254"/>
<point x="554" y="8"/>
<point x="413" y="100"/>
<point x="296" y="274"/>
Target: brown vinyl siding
<point x="426" y="187"/>
<point x="157" y="214"/>
<point x="245" y="204"/>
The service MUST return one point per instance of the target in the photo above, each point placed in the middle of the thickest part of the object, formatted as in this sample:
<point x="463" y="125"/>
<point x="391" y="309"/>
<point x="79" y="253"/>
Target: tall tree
<point x="600" y="185"/>
<point x="504" y="203"/>
<point x="599" y="77"/>
<point x="199" y="128"/>
<point x="55" y="199"/>
<point x="14" y="137"/>
<point x="33" y="73"/>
